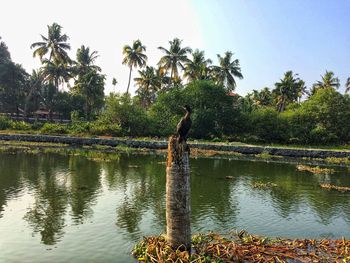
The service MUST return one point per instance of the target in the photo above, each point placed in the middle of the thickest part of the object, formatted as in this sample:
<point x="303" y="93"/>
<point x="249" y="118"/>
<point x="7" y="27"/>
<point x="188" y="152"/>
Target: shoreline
<point x="162" y="145"/>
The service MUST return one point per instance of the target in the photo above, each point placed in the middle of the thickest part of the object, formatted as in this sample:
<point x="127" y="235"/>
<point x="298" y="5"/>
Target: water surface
<point x="56" y="208"/>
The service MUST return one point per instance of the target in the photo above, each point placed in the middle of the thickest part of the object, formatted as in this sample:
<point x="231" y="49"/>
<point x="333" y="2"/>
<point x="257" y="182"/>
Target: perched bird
<point x="184" y="125"/>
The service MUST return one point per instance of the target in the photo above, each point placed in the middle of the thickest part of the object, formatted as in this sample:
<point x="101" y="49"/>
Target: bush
<point x="76" y="128"/>
<point x="212" y="111"/>
<point x="98" y="128"/>
<point x="268" y="125"/>
<point x="54" y="128"/>
<point x="5" y="123"/>
<point x="37" y="125"/>
<point x="126" y="112"/>
<point x="322" y="135"/>
<point x="20" y="125"/>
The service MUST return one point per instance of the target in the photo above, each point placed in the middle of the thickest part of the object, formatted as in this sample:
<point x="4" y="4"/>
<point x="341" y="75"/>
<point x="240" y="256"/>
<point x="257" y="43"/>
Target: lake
<point x="56" y="208"/>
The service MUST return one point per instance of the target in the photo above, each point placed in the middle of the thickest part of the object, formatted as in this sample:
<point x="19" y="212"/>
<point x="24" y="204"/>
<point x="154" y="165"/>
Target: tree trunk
<point x="127" y="90"/>
<point x="178" y="209"/>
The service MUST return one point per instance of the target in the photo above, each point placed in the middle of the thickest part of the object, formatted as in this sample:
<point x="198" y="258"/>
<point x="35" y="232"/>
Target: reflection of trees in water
<point x="84" y="187"/>
<point x="55" y="188"/>
<point x="211" y="193"/>
<point x="143" y="181"/>
<point x="9" y="178"/>
<point x="297" y="189"/>
<point x="330" y="204"/>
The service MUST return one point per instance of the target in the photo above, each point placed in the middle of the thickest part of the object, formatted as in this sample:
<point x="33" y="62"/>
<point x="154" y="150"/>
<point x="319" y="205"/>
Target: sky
<point x="269" y="37"/>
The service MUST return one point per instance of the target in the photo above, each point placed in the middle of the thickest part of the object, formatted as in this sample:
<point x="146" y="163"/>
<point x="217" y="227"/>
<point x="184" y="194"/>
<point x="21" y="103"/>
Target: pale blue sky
<point x="268" y="36"/>
<point x="273" y="36"/>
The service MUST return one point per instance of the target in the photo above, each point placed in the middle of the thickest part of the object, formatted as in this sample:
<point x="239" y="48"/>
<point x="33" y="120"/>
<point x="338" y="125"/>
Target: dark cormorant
<point x="184" y="125"/>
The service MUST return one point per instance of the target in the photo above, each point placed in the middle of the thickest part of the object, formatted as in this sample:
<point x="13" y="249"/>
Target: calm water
<point x="71" y="209"/>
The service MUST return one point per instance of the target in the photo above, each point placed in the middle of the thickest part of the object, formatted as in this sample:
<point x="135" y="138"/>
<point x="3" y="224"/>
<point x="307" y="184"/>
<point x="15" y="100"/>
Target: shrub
<point x="54" y="128"/>
<point x="125" y="112"/>
<point x="98" y="128"/>
<point x="322" y="135"/>
<point x="5" y="123"/>
<point x="37" y="125"/>
<point x="20" y="125"/>
<point x="79" y="128"/>
<point x="268" y="125"/>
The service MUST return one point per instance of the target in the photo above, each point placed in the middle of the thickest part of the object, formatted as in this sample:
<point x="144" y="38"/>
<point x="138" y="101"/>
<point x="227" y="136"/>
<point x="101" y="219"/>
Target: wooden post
<point x="178" y="209"/>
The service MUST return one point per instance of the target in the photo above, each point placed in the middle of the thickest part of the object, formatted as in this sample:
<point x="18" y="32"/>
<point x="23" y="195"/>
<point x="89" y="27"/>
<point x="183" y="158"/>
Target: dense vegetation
<point x="182" y="76"/>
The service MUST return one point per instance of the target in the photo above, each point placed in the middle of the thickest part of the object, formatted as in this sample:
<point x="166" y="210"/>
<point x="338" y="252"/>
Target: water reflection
<point x="67" y="189"/>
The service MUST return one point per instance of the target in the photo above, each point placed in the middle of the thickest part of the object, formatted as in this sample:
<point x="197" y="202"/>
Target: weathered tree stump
<point x="178" y="209"/>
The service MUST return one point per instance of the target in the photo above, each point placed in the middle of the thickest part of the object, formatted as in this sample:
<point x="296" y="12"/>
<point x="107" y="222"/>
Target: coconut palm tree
<point x="261" y="98"/>
<point x="328" y="81"/>
<point x="85" y="61"/>
<point x="301" y="89"/>
<point x="287" y="90"/>
<point x="134" y="57"/>
<point x="175" y="57"/>
<point x="198" y="67"/>
<point x="33" y="96"/>
<point x="347" y="85"/>
<point x="148" y="83"/>
<point x="226" y="71"/>
<point x="55" y="44"/>
<point x="55" y="73"/>
<point x="164" y="79"/>
<point x="178" y="197"/>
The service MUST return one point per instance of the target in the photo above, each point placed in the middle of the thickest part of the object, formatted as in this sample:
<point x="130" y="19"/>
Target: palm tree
<point x="347" y="85"/>
<point x="261" y="98"/>
<point x="55" y="44"/>
<point x="85" y="60"/>
<point x="328" y="81"/>
<point x="197" y="68"/>
<point x="55" y="73"/>
<point x="178" y="198"/>
<point x="35" y="85"/>
<point x="287" y="90"/>
<point x="174" y="58"/>
<point x="148" y="83"/>
<point x="226" y="71"/>
<point x="164" y="79"/>
<point x="302" y="89"/>
<point x="134" y="57"/>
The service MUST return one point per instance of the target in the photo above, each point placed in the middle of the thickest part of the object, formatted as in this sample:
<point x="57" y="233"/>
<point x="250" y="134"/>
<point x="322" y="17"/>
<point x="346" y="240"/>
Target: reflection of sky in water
<point x="68" y="208"/>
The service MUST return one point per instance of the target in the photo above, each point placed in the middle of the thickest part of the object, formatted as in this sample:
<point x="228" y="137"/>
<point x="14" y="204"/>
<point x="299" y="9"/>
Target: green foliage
<point x="90" y="86"/>
<point x="20" y="125"/>
<point x="5" y="123"/>
<point x="8" y="124"/>
<point x="331" y="112"/>
<point x="166" y="112"/>
<point x="125" y="113"/>
<point x="74" y="116"/>
<point x="54" y="128"/>
<point x="100" y="128"/>
<point x="268" y="125"/>
<point x="212" y="116"/>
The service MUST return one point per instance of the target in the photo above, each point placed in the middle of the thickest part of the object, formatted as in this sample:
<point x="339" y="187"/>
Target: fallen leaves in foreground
<point x="334" y="187"/>
<point x="314" y="170"/>
<point x="243" y="248"/>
